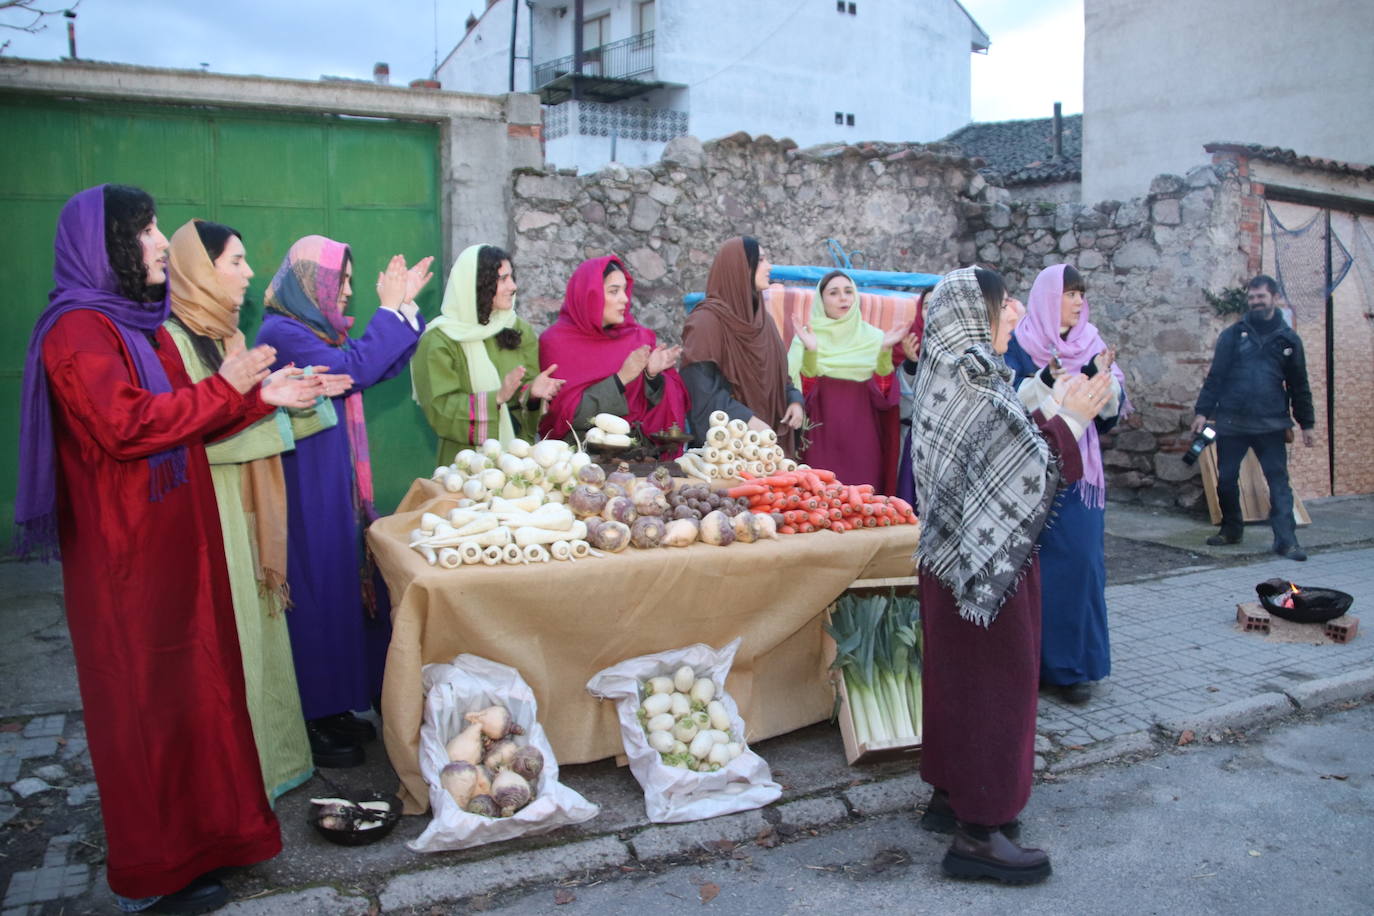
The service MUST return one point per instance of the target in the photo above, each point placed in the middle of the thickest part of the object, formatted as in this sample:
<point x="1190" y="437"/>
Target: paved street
<point x="1114" y="784"/>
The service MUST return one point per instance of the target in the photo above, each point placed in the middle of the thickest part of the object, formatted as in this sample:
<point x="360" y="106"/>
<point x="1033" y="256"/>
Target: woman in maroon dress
<point x="986" y="476"/>
<point x="844" y="367"/>
<point x="113" y="468"/>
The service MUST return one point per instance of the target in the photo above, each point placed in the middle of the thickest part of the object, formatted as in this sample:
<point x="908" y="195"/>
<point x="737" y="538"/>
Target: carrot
<point x="835" y="514"/>
<point x="778" y="480"/>
<point x="884" y="522"/>
<point x="870" y="522"/>
<point x="747" y="489"/>
<point x="864" y="488"/>
<point x="866" y="509"/>
<point x="818" y="519"/>
<point x="806" y="528"/>
<point x="901" y="504"/>
<point x="787" y="529"/>
<point x="853" y="496"/>
<point x="823" y="474"/>
<point x="812" y="482"/>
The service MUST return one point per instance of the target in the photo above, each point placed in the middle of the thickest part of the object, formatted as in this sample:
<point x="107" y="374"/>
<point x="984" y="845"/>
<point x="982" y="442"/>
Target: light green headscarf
<point x="846" y="348"/>
<point x="458" y="321"/>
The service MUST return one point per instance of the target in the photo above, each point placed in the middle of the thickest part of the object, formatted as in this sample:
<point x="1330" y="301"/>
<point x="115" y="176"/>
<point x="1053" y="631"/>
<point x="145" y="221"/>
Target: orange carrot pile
<point x="811" y="499"/>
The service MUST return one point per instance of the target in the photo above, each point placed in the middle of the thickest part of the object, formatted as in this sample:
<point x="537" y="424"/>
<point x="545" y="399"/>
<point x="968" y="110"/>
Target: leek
<point x="878" y="653"/>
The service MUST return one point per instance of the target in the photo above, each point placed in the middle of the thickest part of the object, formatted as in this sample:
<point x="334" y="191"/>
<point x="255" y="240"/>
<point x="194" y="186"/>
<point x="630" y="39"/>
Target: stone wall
<point x="920" y="208"/>
<point x="904" y="206"/>
<point x="1146" y="263"/>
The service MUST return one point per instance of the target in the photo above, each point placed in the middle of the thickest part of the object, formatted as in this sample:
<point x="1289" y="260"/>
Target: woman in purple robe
<point x="340" y="622"/>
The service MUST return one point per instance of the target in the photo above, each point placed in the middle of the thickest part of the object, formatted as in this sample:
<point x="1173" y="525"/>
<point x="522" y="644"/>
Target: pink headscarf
<point x="1038" y="335"/>
<point x="586" y="352"/>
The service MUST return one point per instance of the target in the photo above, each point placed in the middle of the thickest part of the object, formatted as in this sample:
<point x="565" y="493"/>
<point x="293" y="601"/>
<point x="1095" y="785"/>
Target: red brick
<point x="1252" y="618"/>
<point x="1343" y="628"/>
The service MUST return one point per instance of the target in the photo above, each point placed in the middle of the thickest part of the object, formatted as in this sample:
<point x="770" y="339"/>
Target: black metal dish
<point x="350" y="835"/>
<point x="1310" y="605"/>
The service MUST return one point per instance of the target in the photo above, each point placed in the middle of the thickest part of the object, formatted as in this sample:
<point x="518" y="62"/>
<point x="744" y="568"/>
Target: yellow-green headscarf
<point x="458" y="321"/>
<point x="847" y="348"/>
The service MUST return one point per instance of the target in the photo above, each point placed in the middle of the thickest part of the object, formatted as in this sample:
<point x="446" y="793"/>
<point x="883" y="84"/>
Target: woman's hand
<point x="1105" y="360"/>
<point x="911" y="345"/>
<point x="391" y="284"/>
<point x="1084" y="397"/>
<point x="245" y="368"/>
<point x="893" y="337"/>
<point x="510" y="384"/>
<point x="299" y="391"/>
<point x="793" y="417"/>
<point x="333" y="385"/>
<point x="806" y="336"/>
<point x="545" y="386"/>
<point x="635" y="363"/>
<point x="662" y="359"/>
<point x="418" y="277"/>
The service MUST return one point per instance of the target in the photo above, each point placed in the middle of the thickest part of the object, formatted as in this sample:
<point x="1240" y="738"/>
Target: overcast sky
<point x="1036" y="57"/>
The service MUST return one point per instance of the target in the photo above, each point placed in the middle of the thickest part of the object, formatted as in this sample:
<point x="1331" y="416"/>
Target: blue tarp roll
<point x="878" y="282"/>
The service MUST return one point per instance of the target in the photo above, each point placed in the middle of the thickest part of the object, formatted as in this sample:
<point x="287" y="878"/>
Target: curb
<point x="324" y="901"/>
<point x="1324" y="691"/>
<point x="1122" y="746"/>
<point x="487" y="876"/>
<point x="1256" y="710"/>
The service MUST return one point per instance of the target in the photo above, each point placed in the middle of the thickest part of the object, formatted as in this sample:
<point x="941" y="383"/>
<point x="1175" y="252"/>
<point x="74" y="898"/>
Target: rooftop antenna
<point x="71" y="32"/>
<point x="434" y="72"/>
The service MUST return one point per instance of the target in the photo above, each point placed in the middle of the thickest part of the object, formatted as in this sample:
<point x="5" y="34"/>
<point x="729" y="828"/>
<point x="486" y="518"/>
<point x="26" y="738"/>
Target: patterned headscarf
<point x="306" y="289"/>
<point x="985" y="477"/>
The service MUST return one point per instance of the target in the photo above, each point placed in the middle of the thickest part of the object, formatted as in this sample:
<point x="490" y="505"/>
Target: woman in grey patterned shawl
<point x="986" y="475"/>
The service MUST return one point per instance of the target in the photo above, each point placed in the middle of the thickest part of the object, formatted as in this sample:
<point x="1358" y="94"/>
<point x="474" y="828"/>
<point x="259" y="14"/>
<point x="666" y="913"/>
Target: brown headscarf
<point x="731" y="329"/>
<point x="201" y="304"/>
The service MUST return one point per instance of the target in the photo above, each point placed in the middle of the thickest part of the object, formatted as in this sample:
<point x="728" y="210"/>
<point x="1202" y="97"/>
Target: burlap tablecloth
<point x="559" y="623"/>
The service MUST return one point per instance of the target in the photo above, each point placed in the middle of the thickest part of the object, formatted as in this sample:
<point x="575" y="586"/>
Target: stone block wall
<point x="905" y="206"/>
<point x="922" y="208"/>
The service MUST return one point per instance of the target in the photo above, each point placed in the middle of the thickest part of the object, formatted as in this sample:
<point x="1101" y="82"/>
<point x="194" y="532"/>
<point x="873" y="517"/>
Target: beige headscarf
<point x="200" y="303"/>
<point x="458" y="321"/>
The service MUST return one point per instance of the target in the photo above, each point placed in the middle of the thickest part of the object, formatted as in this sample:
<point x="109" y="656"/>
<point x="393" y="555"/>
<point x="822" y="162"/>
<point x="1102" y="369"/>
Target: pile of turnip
<point x="730" y="447"/>
<point x="621" y="510"/>
<point x="490" y="772"/>
<point x="610" y="431"/>
<point x="686" y="723"/>
<point x="547" y="466"/>
<point x="510" y="508"/>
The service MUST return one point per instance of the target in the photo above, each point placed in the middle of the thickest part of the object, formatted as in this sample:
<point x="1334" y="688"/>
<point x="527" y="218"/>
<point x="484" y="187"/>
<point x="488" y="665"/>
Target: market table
<point x="559" y="623"/>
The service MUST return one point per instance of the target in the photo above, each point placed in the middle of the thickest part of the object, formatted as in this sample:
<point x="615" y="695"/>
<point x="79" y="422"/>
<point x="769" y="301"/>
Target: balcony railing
<point x="630" y="59"/>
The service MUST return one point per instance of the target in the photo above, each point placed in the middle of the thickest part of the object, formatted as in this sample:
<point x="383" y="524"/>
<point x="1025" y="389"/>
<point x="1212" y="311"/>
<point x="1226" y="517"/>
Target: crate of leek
<point x="877" y="674"/>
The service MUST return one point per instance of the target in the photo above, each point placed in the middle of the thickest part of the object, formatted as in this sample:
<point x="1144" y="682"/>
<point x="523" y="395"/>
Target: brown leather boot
<point x="985" y="852"/>
<point x="939" y="817"/>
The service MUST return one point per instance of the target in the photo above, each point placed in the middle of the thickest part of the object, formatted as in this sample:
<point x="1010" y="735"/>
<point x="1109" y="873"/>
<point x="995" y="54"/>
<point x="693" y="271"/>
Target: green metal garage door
<point x="368" y="182"/>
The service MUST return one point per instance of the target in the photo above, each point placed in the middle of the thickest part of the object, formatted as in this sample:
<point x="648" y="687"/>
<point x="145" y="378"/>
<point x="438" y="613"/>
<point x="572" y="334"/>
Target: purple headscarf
<point x="82" y="279"/>
<point x="1038" y="335"/>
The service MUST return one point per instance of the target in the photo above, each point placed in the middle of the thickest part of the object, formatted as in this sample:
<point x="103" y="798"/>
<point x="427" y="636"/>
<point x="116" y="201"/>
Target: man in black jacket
<point x="1256" y="387"/>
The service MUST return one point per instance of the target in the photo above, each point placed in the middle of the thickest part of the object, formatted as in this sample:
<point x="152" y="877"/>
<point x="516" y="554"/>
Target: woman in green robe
<point x="208" y="275"/>
<point x="476" y="372"/>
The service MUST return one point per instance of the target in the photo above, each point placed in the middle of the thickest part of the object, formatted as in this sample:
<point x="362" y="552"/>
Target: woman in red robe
<point x="113" y="469"/>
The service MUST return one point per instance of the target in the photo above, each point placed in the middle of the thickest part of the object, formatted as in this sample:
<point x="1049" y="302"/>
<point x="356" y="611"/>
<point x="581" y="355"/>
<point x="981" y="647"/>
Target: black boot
<point x="986" y="852"/>
<point x="939" y="817"/>
<point x="331" y="749"/>
<point x="348" y="726"/>
<point x="203" y="895"/>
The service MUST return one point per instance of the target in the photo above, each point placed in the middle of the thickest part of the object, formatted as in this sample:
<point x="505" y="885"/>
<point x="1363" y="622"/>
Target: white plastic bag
<point x="470" y="684"/>
<point x="673" y="794"/>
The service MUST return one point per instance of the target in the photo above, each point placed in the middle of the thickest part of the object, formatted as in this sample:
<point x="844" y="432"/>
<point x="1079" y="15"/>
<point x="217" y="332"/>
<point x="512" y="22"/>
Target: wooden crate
<point x="854" y="750"/>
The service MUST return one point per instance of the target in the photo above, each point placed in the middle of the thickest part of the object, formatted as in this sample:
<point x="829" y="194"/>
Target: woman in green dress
<point x="208" y="274"/>
<point x="476" y="372"/>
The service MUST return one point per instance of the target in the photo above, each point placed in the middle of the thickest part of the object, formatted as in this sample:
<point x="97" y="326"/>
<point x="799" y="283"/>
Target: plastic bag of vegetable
<point x="471" y="684"/>
<point x="673" y="794"/>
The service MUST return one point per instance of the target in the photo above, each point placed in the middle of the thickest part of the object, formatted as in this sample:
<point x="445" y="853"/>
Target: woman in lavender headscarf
<point x="1056" y="340"/>
<point x="112" y="469"/>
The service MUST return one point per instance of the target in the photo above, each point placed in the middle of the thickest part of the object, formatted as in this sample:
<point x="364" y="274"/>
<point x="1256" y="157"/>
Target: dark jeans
<point x="1272" y="452"/>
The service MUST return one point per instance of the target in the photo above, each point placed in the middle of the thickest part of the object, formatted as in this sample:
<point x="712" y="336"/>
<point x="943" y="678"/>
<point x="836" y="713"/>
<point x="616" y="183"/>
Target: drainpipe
<point x="1058" y="130"/>
<point x="577" y="51"/>
<point x="71" y="33"/>
<point x="514" y="18"/>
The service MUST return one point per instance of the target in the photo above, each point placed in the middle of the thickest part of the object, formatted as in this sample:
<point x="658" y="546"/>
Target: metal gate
<point x="373" y="183"/>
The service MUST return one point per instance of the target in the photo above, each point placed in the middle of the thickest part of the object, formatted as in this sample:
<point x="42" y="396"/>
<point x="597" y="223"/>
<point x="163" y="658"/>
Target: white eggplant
<point x="701" y="745"/>
<point x="684" y="678"/>
<point x="719" y="754"/>
<point x="681" y="705"/>
<point x="719" y="718"/>
<point x="660" y="723"/>
<point x="612" y="424"/>
<point x="685" y="729"/>
<point x="661" y="742"/>
<point x="662" y="685"/>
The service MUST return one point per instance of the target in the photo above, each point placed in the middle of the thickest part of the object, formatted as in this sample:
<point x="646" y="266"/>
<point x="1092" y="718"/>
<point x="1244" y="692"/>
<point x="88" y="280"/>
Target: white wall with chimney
<point x="1160" y="79"/>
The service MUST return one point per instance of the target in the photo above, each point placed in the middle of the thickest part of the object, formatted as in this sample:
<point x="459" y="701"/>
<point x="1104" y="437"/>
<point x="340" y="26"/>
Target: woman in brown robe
<point x="733" y="358"/>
